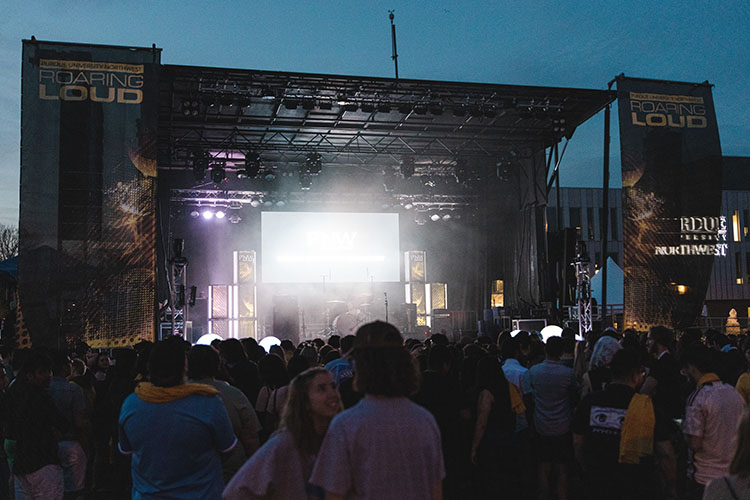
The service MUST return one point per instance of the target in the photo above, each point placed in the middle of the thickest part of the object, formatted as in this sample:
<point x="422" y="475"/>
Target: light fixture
<point x="280" y="203"/>
<point x="220" y="214"/>
<point x="681" y="289"/>
<point x="313" y="163"/>
<point x="420" y="218"/>
<point x="207" y="214"/>
<point x="408" y="205"/>
<point x="195" y="214"/>
<point x="218" y="174"/>
<point x="447" y="216"/>
<point x="200" y="164"/>
<point x="434" y="217"/>
<point x="407" y="167"/>
<point x="234" y="218"/>
<point x="461" y="171"/>
<point x="305" y="180"/>
<point x="255" y="202"/>
<point x="253" y="163"/>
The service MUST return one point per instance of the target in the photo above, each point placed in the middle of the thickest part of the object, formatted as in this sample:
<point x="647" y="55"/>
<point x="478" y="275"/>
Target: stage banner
<point x="671" y="199"/>
<point x="88" y="180"/>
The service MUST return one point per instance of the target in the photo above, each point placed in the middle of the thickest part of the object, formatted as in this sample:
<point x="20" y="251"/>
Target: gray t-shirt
<point x="381" y="448"/>
<point x="722" y="488"/>
<point x="554" y="387"/>
<point x="276" y="471"/>
<point x="244" y="422"/>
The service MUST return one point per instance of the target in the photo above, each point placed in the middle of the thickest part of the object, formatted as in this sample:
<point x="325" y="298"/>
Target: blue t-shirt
<point x="175" y="446"/>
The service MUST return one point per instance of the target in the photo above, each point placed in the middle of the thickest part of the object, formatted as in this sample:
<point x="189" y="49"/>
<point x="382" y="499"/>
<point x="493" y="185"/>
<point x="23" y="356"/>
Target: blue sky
<point x="567" y="44"/>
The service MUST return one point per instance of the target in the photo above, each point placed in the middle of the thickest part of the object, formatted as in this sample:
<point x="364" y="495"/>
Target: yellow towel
<point x="637" y="435"/>
<point x="154" y="394"/>
<point x="707" y="379"/>
<point x="516" y="401"/>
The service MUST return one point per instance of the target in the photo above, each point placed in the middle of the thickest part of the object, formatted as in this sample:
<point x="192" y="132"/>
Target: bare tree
<point x="8" y="242"/>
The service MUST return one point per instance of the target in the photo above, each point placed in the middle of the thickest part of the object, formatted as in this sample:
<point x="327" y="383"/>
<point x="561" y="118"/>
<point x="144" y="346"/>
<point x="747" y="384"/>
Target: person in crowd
<point x="598" y="375"/>
<point x="273" y="375"/>
<point x="32" y="429"/>
<point x="335" y="341"/>
<point x="70" y="405"/>
<point x="493" y="448"/>
<point x="281" y="468"/>
<point x="175" y="431"/>
<point x="343" y="373"/>
<point x="241" y="371"/>
<point x="617" y="433"/>
<point x="297" y="364"/>
<point x="385" y="446"/>
<point x="440" y="394"/>
<point x="711" y="416"/>
<point x="288" y="348"/>
<point x="736" y="485"/>
<point x="743" y="381"/>
<point x="203" y="366"/>
<point x="553" y="388"/>
<point x="664" y="380"/>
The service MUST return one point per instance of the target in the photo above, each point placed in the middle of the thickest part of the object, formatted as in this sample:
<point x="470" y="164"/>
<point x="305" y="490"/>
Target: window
<point x="738" y="268"/>
<point x="736" y="226"/>
<point x="575" y="217"/>
<point x="590" y="222"/>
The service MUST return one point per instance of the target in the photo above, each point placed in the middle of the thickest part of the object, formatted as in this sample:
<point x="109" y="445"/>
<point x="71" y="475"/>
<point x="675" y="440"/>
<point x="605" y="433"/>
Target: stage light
<point x="200" y="164"/>
<point x="420" y="109"/>
<point x="420" y="218"/>
<point x="461" y="172"/>
<point x="325" y="105"/>
<point x="407" y="167"/>
<point x="255" y="202"/>
<point x="550" y="331"/>
<point x="368" y="107"/>
<point x="435" y="108"/>
<point x="434" y="217"/>
<point x="313" y="163"/>
<point x="404" y="108"/>
<point x="308" y="104"/>
<point x="220" y="214"/>
<point x="267" y="203"/>
<point x="207" y="339"/>
<point x="384" y="107"/>
<point x="218" y="174"/>
<point x="268" y="342"/>
<point x="234" y="218"/>
<point x="681" y="289"/>
<point x="270" y="176"/>
<point x="267" y="93"/>
<point x="207" y="214"/>
<point x="447" y="217"/>
<point x="195" y="214"/>
<point x="280" y="203"/>
<point x="253" y="162"/>
<point x="351" y="106"/>
<point x="291" y="103"/>
<point x="305" y="181"/>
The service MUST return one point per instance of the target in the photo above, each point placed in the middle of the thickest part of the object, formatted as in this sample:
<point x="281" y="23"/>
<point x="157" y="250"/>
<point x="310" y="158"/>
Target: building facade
<point x="729" y="288"/>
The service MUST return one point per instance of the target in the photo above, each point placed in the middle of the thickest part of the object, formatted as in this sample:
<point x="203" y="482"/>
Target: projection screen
<point x="317" y="247"/>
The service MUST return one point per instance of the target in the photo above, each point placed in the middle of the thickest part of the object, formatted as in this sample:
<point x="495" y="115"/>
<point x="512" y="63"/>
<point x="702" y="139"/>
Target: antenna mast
<point x="393" y="39"/>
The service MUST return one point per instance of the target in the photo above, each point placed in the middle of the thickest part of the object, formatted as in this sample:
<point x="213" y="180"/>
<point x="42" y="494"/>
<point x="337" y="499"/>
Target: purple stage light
<point x="220" y="214"/>
<point x="207" y="214"/>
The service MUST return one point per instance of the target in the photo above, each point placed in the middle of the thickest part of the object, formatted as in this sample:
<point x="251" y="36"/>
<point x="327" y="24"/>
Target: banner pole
<point x="606" y="210"/>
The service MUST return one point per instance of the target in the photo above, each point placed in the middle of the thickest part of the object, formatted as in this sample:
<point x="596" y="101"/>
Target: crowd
<point x="649" y="415"/>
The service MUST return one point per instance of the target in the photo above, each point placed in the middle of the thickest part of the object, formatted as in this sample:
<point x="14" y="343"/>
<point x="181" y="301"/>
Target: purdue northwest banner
<point x="671" y="199"/>
<point x="88" y="172"/>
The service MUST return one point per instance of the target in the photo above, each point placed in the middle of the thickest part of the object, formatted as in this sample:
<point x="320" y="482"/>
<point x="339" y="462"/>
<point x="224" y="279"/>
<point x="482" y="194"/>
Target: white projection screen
<point x="317" y="247"/>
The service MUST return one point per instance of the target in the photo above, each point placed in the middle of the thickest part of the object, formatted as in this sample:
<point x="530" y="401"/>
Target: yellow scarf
<point x="154" y="394"/>
<point x="516" y="401"/>
<point x="707" y="379"/>
<point x="637" y="436"/>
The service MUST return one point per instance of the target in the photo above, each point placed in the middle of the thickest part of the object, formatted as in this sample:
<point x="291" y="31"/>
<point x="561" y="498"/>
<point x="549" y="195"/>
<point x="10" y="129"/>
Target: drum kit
<point x="342" y="318"/>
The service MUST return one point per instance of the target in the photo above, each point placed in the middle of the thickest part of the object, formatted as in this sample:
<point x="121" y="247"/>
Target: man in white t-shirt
<point x="712" y="413"/>
<point x="385" y="446"/>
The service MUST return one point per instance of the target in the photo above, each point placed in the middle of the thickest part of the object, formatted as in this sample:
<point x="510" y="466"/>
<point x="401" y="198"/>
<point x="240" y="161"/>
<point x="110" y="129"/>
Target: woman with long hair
<point x="281" y="467"/>
<point x="737" y="484"/>
<point x="493" y="448"/>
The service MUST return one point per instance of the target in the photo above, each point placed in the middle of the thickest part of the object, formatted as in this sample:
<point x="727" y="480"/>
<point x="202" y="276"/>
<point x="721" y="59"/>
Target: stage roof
<point x="359" y="121"/>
